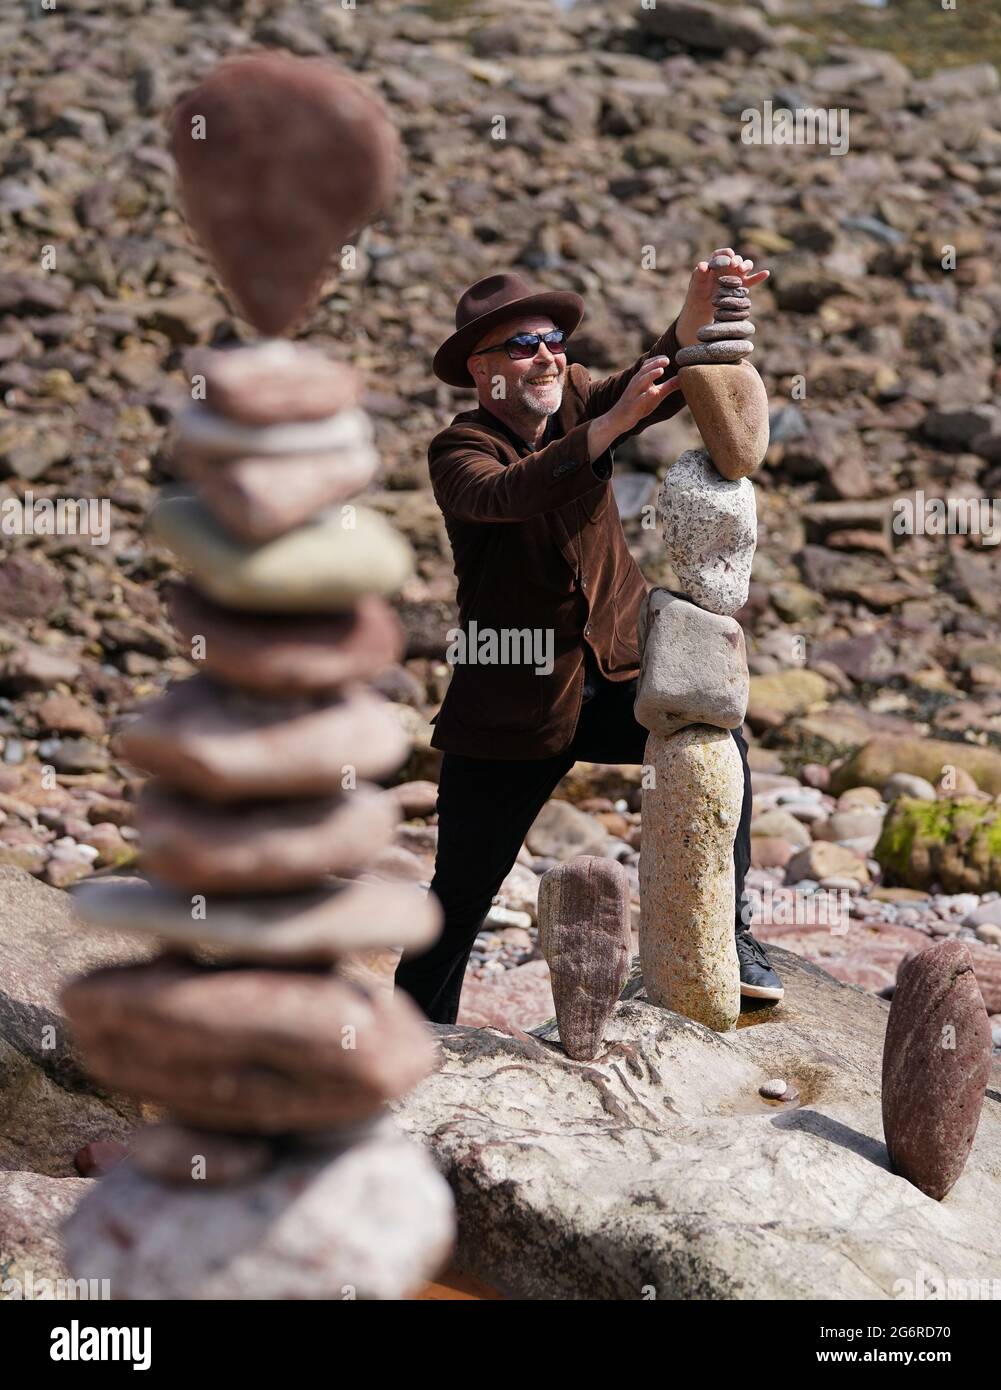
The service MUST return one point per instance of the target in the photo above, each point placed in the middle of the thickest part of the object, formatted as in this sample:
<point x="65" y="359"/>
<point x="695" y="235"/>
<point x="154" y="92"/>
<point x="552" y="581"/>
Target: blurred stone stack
<point x="693" y="685"/>
<point x="276" y="1172"/>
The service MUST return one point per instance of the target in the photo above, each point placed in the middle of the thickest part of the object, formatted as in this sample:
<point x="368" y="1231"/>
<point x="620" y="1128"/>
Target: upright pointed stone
<point x="281" y="161"/>
<point x="936" y="1062"/>
<point x="584" y="932"/>
<point x="687" y="901"/>
<point x="730" y="407"/>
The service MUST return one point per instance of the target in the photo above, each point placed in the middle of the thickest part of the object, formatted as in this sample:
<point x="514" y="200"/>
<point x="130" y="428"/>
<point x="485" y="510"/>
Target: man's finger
<point x="663" y="388"/>
<point x="651" y="368"/>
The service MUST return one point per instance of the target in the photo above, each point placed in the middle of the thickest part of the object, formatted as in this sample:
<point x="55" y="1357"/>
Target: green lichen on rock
<point x="955" y="842"/>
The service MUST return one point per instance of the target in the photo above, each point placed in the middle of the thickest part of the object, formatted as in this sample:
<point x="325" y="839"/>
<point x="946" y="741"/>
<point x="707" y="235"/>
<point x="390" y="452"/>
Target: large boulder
<point x="704" y="25"/>
<point x="954" y="841"/>
<point x="658" y="1170"/>
<point x="32" y="1210"/>
<point x="50" y="1105"/>
<point x="877" y="761"/>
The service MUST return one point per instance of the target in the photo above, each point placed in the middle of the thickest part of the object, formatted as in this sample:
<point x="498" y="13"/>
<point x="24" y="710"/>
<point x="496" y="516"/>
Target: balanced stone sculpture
<point x="723" y="391"/>
<point x="275" y="1172"/>
<point x="584" y="932"/>
<point x="936" y="1064"/>
<point x="693" y="683"/>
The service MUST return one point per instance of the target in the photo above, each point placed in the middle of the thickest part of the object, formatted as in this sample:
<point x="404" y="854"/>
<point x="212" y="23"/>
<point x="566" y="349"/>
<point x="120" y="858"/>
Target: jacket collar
<point x="494" y="422"/>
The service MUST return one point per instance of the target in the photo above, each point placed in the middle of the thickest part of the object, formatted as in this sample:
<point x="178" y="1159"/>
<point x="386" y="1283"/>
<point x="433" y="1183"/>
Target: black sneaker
<point x="758" y="979"/>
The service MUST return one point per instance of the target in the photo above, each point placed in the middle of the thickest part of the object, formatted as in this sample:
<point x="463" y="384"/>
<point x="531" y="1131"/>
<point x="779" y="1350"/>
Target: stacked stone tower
<point x="693" y="685"/>
<point x="275" y="1171"/>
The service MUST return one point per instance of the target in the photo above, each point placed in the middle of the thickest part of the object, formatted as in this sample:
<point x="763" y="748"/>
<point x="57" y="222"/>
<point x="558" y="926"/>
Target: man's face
<point x="535" y="384"/>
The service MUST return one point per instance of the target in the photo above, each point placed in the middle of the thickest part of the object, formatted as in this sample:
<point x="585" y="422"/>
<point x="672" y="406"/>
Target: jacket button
<point x="587" y="631"/>
<point x="583" y="582"/>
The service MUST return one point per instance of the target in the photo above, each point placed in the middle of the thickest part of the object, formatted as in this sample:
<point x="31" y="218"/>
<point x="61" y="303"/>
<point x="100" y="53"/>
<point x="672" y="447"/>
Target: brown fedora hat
<point x="490" y="301"/>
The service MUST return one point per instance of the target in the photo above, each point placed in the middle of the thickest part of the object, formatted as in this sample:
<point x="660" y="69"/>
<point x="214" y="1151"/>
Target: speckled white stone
<point x="710" y="528"/>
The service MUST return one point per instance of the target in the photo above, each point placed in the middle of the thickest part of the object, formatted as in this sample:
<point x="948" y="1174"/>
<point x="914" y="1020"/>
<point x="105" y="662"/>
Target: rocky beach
<point x="594" y="147"/>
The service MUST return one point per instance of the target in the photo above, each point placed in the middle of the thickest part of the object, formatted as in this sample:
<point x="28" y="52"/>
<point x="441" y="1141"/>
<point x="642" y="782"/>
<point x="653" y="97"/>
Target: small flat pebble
<point x="712" y="332"/>
<point x="730" y="350"/>
<point x="774" y="1089"/>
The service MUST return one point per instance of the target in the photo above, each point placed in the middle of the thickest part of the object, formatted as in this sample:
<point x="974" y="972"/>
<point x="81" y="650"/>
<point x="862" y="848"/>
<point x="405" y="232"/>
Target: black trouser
<point x="486" y="807"/>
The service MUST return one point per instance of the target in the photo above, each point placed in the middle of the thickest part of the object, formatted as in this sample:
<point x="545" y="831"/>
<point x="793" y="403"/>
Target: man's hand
<point x="698" y="309"/>
<point x="644" y="394"/>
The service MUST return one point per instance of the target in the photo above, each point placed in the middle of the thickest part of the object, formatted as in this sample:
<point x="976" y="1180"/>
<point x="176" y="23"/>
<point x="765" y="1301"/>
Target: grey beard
<point x="533" y="408"/>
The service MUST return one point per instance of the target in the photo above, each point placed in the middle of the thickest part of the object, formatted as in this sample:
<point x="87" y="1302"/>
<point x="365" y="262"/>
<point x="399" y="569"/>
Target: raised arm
<point x="474" y="484"/>
<point x="601" y="396"/>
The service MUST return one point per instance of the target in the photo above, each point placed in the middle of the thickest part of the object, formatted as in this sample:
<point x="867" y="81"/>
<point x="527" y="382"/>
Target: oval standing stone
<point x="936" y="1061"/>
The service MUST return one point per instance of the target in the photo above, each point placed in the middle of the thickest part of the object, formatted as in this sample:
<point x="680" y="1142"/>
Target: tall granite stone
<point x="687" y="904"/>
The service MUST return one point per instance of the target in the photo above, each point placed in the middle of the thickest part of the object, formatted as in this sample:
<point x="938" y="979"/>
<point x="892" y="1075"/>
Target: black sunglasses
<point x="527" y="344"/>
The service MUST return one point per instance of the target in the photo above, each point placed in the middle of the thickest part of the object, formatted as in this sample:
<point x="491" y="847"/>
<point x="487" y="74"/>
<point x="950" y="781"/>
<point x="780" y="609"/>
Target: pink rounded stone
<point x="936" y="1061"/>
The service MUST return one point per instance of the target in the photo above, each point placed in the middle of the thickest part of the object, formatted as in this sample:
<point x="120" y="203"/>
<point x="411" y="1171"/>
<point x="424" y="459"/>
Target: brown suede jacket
<point x="538" y="549"/>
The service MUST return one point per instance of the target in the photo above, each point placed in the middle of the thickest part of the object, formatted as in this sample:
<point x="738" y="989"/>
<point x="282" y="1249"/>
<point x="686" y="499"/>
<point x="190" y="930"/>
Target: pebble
<point x="729" y="350"/>
<point x="276" y="382"/>
<point x="202" y="429"/>
<point x="715" y="332"/>
<point x="322" y="566"/>
<point x="987" y="914"/>
<point x="774" y="1089"/>
<point x="906" y="784"/>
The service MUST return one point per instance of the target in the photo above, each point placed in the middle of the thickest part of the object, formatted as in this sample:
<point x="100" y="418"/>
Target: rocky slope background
<point x="875" y="707"/>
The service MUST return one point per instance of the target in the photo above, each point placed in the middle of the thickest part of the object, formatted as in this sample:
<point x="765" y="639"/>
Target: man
<point x="539" y="552"/>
